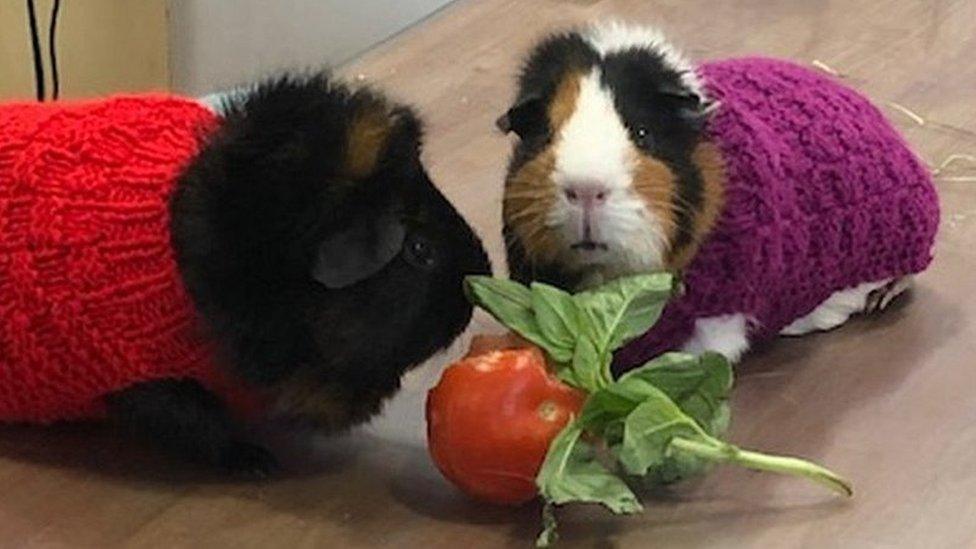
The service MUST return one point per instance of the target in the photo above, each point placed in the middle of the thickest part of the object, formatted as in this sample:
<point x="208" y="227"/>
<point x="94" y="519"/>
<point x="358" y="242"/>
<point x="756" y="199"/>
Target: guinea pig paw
<point x="248" y="460"/>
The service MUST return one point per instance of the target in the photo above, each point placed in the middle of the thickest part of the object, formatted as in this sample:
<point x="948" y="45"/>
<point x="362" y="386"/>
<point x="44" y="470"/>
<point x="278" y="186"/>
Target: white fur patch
<point x="594" y="149"/>
<point x="218" y="102"/>
<point x="724" y="334"/>
<point x="615" y="36"/>
<point x="835" y="310"/>
<point x="593" y="144"/>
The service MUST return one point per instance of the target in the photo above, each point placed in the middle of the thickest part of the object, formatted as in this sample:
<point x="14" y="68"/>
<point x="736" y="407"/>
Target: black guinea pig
<point x="319" y="262"/>
<point x="319" y="250"/>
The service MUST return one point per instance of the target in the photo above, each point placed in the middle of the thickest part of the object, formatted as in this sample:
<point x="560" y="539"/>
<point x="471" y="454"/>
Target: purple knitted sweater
<point x="822" y="194"/>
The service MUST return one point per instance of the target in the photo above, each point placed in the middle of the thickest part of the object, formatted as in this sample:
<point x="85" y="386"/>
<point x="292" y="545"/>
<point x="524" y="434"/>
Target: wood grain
<point x="890" y="401"/>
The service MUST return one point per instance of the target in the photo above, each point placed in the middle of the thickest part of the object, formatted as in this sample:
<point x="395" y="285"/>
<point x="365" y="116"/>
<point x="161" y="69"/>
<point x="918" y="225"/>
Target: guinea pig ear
<point x="359" y="252"/>
<point x="525" y="118"/>
<point x="690" y="103"/>
<point x="685" y="97"/>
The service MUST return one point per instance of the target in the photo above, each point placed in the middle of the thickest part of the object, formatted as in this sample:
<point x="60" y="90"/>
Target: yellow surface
<point x="104" y="46"/>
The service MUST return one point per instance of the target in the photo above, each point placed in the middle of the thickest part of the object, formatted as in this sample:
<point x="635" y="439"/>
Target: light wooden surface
<point x="890" y="402"/>
<point x="104" y="46"/>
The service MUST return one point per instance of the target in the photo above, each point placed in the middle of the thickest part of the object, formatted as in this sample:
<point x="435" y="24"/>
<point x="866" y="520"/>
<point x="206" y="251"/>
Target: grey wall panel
<point x="220" y="43"/>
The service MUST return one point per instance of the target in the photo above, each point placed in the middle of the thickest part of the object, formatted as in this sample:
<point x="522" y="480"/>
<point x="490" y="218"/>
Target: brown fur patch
<point x="530" y="195"/>
<point x="365" y="140"/>
<point x="530" y="192"/>
<point x="563" y="102"/>
<point x="655" y="183"/>
<point x="708" y="159"/>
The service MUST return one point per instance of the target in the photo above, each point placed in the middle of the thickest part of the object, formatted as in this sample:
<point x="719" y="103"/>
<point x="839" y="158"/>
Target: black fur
<point x="649" y="96"/>
<point x="522" y="270"/>
<point x="541" y="74"/>
<point x="248" y="216"/>
<point x="188" y="422"/>
<point x="543" y="71"/>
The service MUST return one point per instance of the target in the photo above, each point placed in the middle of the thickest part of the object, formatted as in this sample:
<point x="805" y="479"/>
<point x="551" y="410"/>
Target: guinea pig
<point x="179" y="272"/>
<point x="783" y="199"/>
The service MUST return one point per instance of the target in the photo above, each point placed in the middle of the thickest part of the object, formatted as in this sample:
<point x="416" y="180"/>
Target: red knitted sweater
<point x="91" y="300"/>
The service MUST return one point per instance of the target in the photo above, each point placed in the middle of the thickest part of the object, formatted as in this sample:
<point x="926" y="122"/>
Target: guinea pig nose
<point x="586" y="195"/>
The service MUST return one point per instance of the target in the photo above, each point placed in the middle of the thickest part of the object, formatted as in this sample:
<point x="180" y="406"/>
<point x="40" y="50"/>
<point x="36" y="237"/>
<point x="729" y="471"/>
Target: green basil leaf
<point x="559" y="355"/>
<point x="648" y="432"/>
<point x="506" y="300"/>
<point x="555" y="311"/>
<point x="615" y="401"/>
<point x="568" y="376"/>
<point x="497" y="289"/>
<point x="511" y="304"/>
<point x="605" y="410"/>
<point x="590" y="366"/>
<point x="571" y="472"/>
<point x="676" y="467"/>
<point x="719" y="425"/>
<point x="624" y="309"/>
<point x="698" y="385"/>
<point x="604" y="407"/>
<point x="613" y="433"/>
<point x="634" y="390"/>
<point x="606" y="414"/>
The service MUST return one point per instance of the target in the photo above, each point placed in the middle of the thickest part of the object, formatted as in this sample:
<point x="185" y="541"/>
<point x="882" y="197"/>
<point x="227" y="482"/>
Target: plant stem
<point x="549" y="535"/>
<point x="723" y="452"/>
<point x="606" y="376"/>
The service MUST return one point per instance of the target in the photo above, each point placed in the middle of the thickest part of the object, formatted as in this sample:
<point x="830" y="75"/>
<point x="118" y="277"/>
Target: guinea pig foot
<point x="879" y="299"/>
<point x="248" y="460"/>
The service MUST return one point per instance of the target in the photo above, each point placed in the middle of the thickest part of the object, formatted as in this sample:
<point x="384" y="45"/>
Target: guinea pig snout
<point x="587" y="197"/>
<point x="587" y="202"/>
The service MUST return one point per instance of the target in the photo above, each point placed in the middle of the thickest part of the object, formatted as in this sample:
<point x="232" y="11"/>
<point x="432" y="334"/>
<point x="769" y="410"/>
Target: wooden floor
<point x="890" y="402"/>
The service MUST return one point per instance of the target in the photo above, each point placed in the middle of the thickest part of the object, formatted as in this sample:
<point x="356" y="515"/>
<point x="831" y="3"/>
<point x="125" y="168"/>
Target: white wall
<point x="215" y="44"/>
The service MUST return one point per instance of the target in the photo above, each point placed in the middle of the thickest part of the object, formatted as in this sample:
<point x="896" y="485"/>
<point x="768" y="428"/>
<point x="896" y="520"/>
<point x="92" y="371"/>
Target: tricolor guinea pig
<point x="177" y="270"/>
<point x="784" y="199"/>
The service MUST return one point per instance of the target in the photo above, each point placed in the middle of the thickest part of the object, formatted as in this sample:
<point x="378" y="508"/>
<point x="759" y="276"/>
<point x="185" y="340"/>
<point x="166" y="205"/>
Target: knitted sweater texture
<point x="821" y="194"/>
<point x="91" y="300"/>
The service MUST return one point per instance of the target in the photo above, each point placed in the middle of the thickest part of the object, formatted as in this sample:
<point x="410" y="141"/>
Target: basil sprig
<point x="661" y="422"/>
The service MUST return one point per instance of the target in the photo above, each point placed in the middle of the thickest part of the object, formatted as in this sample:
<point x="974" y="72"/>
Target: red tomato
<point x="481" y="344"/>
<point x="491" y="418"/>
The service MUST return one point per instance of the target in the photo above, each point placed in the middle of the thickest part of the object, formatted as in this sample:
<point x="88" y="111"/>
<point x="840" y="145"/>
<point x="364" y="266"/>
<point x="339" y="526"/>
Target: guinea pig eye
<point x="419" y="252"/>
<point x="642" y="137"/>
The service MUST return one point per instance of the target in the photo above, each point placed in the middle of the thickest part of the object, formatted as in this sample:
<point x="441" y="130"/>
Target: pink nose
<point x="588" y="197"/>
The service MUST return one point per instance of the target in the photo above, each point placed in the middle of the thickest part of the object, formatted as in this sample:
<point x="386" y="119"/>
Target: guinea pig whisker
<point x="528" y="193"/>
<point x="535" y="234"/>
<point x="527" y="200"/>
<point x="680" y="204"/>
<point x="676" y="208"/>
<point x="653" y="205"/>
<point x="524" y="213"/>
